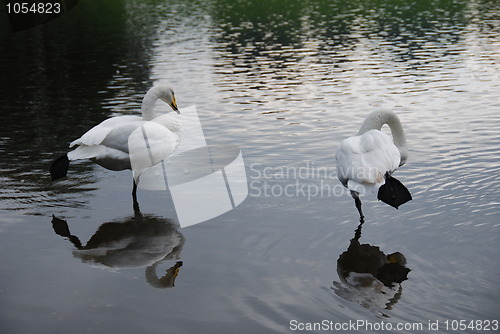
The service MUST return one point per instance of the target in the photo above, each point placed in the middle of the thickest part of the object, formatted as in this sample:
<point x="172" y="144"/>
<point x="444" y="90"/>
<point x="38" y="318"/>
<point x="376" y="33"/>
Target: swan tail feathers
<point x="92" y="138"/>
<point x="59" y="167"/>
<point x="87" y="152"/>
<point x="98" y="133"/>
<point x="393" y="192"/>
<point x="361" y="188"/>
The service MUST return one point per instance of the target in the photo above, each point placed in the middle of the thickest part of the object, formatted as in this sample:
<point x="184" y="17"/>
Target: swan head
<point x="166" y="94"/>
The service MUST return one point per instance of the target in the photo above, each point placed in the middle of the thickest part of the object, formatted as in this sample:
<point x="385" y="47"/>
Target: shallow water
<point x="285" y="83"/>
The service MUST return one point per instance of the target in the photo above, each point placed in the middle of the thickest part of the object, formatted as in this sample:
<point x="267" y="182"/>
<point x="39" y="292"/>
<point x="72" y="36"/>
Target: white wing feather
<point x="126" y="142"/>
<point x="96" y="135"/>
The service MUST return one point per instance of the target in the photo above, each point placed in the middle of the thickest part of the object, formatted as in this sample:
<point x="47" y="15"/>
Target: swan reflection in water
<point x="370" y="277"/>
<point x="131" y="242"/>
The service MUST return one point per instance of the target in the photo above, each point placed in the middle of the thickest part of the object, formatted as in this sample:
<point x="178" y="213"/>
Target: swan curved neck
<point x="377" y="119"/>
<point x="148" y="103"/>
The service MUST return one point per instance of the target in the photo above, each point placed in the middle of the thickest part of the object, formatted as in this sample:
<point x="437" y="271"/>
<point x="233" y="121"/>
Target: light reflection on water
<point x="286" y="84"/>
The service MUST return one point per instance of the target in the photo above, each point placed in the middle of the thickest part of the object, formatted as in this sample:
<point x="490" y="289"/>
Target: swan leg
<point x="357" y="202"/>
<point x="134" y="188"/>
<point x="134" y="197"/>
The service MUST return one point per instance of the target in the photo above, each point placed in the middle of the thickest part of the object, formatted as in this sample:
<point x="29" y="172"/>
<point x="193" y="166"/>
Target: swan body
<point x="115" y="143"/>
<point x="108" y="143"/>
<point x="362" y="161"/>
<point x="365" y="162"/>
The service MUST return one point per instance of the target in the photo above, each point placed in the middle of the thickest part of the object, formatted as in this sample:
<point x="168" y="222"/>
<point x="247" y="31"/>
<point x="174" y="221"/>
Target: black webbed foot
<point x="393" y="192"/>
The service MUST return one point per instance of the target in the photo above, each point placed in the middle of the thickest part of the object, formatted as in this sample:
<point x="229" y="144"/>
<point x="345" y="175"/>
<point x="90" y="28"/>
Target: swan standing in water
<point x="366" y="162"/>
<point x="118" y="143"/>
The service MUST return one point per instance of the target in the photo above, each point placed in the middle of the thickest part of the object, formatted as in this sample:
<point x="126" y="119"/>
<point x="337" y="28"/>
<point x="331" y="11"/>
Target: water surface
<point x="286" y="82"/>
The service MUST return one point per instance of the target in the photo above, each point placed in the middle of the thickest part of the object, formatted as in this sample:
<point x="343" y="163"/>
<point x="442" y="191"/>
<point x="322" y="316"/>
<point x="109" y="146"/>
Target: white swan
<point x="128" y="142"/>
<point x="365" y="162"/>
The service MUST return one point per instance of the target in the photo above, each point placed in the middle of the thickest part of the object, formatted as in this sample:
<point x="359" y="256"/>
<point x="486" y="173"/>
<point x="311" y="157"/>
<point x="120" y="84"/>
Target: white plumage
<point x="112" y="142"/>
<point x="362" y="161"/>
<point x="128" y="142"/>
<point x="366" y="161"/>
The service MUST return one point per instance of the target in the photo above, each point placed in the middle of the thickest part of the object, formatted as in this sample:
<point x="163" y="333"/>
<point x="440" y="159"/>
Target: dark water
<point x="285" y="81"/>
